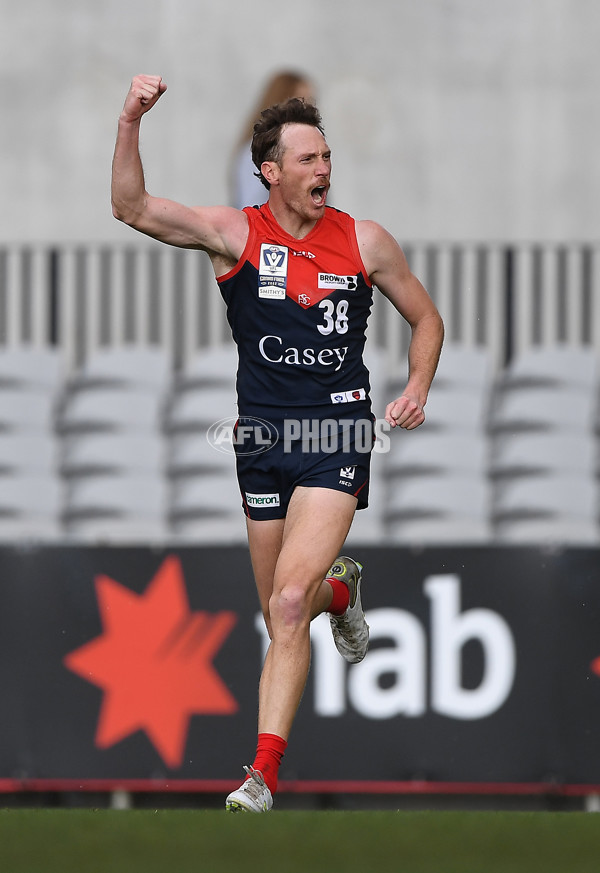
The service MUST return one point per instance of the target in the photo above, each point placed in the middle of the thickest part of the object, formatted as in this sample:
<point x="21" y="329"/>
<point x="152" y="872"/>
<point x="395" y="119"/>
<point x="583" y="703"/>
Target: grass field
<point x="110" y="841"/>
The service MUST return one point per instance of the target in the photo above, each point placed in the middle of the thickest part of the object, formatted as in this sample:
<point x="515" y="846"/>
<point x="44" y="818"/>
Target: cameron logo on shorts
<point x="271" y="349"/>
<point x="262" y="500"/>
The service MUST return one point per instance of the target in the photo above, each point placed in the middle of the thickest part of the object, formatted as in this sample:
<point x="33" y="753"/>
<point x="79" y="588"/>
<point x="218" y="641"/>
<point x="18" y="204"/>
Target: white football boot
<point x="252" y="796"/>
<point x="350" y="630"/>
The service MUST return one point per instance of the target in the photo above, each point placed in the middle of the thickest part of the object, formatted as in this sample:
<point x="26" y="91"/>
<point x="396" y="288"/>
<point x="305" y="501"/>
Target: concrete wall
<point x="448" y="119"/>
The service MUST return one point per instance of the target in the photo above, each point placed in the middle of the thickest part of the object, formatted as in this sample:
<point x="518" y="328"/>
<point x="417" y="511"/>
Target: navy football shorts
<point x="274" y="457"/>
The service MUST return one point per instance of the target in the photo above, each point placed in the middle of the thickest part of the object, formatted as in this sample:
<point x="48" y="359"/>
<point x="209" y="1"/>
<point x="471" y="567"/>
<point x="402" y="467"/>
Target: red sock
<point x="341" y="596"/>
<point x="269" y="752"/>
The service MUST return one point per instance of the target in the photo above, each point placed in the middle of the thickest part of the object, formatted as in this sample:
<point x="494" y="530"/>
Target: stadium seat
<point x="443" y="494"/>
<point x="203" y="530"/>
<point x="116" y="507"/>
<point x="543" y="408"/>
<point x="198" y="408"/>
<point x="30" y="367"/>
<point x="460" y="392"/>
<point x="417" y="452"/>
<point x="546" y="495"/>
<point x="86" y="453"/>
<point x="30" y="489"/>
<point x="130" y="366"/>
<point x="559" y="365"/>
<point x="457" y="408"/>
<point x="438" y="496"/>
<point x="30" y="506"/>
<point x="464" y="366"/>
<point x="112" y="458"/>
<point x="431" y="471"/>
<point x="105" y="409"/>
<point x="27" y="529"/>
<point x="205" y="502"/>
<point x="126" y="530"/>
<point x="188" y="453"/>
<point x="115" y="494"/>
<point x="25" y="410"/>
<point x="438" y="508"/>
<point x="29" y="493"/>
<point x="213" y="366"/>
<point x="549" y="532"/>
<point x="207" y="508"/>
<point x="205" y="495"/>
<point x="546" y="506"/>
<point x="32" y="453"/>
<point x="460" y="366"/>
<point x="441" y="531"/>
<point x="517" y="454"/>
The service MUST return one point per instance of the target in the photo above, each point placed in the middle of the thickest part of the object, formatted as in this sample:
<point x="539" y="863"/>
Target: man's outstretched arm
<point x="128" y="188"/>
<point x="219" y="230"/>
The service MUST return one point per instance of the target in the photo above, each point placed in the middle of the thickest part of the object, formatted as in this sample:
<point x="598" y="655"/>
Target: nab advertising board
<point x="136" y="664"/>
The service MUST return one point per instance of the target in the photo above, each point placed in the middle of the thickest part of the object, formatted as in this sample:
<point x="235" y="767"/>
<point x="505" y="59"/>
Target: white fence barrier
<point x="502" y="296"/>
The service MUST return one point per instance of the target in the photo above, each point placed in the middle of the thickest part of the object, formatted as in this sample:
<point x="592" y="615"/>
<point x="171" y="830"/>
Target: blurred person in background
<point x="246" y="189"/>
<point x="297" y="277"/>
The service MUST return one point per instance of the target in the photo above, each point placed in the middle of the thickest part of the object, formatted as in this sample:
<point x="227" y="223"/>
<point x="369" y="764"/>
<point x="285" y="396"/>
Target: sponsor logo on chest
<point x="331" y="281"/>
<point x="273" y="348"/>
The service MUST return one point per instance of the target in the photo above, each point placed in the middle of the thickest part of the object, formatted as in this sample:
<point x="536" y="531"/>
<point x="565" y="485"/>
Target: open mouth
<point x="319" y="195"/>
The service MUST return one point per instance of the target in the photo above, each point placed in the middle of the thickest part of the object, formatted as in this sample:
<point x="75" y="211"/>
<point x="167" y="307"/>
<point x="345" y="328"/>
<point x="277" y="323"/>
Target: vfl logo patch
<point x="274" y="257"/>
<point x="272" y="273"/>
<point x="332" y="280"/>
<point x="348" y="472"/>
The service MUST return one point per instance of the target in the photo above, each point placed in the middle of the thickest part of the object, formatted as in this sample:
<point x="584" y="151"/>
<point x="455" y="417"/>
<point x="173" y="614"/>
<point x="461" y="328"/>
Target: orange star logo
<point x="153" y="662"/>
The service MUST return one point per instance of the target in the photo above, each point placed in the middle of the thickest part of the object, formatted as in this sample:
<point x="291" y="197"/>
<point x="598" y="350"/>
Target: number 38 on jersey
<point x="335" y="317"/>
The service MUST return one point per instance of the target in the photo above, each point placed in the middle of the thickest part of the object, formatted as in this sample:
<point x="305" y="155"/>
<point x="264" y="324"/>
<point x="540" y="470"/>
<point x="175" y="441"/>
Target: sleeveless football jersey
<point x="298" y="312"/>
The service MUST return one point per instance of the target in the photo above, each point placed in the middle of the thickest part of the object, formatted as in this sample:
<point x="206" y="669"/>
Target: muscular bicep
<point x="388" y="269"/>
<point x="407" y="294"/>
<point x="218" y="230"/>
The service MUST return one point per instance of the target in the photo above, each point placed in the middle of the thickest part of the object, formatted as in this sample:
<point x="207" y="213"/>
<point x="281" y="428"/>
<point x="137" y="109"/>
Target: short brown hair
<point x="266" y="140"/>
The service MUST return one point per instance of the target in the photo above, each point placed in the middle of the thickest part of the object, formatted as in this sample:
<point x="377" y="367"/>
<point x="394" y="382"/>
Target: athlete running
<point x="297" y="277"/>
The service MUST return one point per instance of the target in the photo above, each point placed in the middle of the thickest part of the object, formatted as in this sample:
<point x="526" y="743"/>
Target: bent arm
<point x="129" y="197"/>
<point x="388" y="269"/>
<point x="219" y="230"/>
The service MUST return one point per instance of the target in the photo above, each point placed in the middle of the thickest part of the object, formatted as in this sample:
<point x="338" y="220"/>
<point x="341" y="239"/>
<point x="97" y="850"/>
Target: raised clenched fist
<point x="143" y="94"/>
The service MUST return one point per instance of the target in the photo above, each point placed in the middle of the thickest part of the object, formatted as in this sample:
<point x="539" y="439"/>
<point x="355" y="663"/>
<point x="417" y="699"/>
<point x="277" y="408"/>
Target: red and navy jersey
<point x="298" y="312"/>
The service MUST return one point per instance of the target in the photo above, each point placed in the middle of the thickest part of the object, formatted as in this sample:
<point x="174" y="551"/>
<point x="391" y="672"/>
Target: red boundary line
<point x="209" y="786"/>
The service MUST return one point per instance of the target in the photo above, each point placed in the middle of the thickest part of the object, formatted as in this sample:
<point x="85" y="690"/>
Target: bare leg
<point x="290" y="560"/>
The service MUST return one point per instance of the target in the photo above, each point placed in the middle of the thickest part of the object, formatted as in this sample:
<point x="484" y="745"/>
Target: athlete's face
<point x="303" y="177"/>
